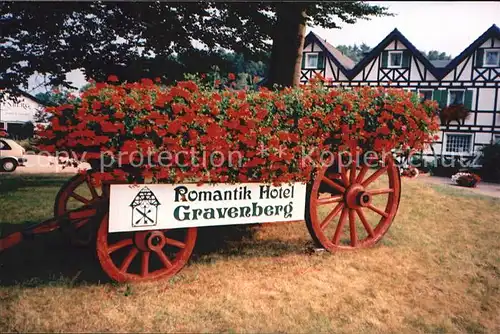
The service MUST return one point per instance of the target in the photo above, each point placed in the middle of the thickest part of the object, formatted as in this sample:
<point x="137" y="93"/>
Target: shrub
<point x="446" y="166"/>
<point x="466" y="179"/>
<point x="29" y="145"/>
<point x="490" y="162"/>
<point x="149" y="118"/>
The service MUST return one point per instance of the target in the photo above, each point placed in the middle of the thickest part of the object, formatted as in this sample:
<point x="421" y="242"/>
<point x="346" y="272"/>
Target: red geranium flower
<point x="113" y="78"/>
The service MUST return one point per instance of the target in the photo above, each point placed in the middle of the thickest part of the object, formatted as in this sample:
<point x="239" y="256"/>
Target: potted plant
<point x="410" y="172"/>
<point x="466" y="179"/>
<point x="454" y="112"/>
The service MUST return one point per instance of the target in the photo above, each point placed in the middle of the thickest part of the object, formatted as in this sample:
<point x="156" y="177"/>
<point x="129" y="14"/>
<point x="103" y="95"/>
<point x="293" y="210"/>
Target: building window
<point x="496" y="139"/>
<point x="458" y="143"/>
<point x="425" y="94"/>
<point x="456" y="96"/>
<point x="491" y="58"/>
<point x="311" y="60"/>
<point x="395" y="59"/>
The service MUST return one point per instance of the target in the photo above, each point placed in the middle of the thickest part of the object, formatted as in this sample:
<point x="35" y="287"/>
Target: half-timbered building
<point x="472" y="79"/>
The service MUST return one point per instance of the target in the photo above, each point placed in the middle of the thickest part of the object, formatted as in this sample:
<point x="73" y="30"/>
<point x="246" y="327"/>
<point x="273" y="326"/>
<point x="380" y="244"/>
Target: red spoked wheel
<point x="144" y="255"/>
<point x="352" y="207"/>
<point x="77" y="192"/>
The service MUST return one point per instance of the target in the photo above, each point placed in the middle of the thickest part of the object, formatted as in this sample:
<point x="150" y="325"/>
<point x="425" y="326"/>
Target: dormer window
<point x="311" y="60"/>
<point x="491" y="58"/>
<point x="395" y="59"/>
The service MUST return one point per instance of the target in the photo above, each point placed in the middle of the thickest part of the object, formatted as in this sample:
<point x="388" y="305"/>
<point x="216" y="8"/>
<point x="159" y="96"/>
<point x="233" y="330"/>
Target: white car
<point x="11" y="155"/>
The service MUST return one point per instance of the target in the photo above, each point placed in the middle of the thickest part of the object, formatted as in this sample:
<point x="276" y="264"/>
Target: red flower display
<point x="206" y="130"/>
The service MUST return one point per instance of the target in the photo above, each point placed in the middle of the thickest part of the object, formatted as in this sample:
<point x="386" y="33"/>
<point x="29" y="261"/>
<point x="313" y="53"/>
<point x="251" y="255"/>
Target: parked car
<point x="11" y="155"/>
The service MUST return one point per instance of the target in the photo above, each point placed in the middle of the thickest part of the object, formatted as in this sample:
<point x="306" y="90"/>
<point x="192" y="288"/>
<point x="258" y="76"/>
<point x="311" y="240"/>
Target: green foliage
<point x="28" y="144"/>
<point x="436" y="55"/>
<point x="490" y="162"/>
<point x="54" y="97"/>
<point x="218" y="64"/>
<point x="446" y="166"/>
<point x="136" y="40"/>
<point x="354" y="52"/>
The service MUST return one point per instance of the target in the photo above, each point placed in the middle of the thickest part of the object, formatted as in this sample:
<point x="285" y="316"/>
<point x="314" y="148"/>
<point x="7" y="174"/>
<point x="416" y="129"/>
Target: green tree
<point x="354" y="52"/>
<point x="54" y="97"/>
<point x="436" y="55"/>
<point x="143" y="39"/>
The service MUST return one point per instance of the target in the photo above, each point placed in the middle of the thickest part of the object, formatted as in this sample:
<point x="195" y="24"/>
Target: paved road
<point x="483" y="188"/>
<point x="43" y="164"/>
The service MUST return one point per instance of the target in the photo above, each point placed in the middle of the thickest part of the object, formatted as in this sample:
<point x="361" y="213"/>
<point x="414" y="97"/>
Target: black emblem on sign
<point x="144" y="208"/>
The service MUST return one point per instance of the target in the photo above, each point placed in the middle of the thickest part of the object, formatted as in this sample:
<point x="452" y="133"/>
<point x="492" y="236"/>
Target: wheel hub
<point x="156" y="241"/>
<point x="148" y="241"/>
<point x="356" y="196"/>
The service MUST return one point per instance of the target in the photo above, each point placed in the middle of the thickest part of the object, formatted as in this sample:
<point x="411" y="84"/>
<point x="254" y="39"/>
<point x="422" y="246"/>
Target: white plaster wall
<point x="483" y="138"/>
<point x="486" y="44"/>
<point x="342" y="76"/>
<point x="498" y="99"/>
<point x="484" y="118"/>
<point x="308" y="48"/>
<point x="486" y="99"/>
<point x="400" y="46"/>
<point x="414" y="73"/>
<point x="470" y="119"/>
<point x="465" y="76"/>
<point x="466" y="65"/>
<point x="372" y="76"/>
<point x="390" y="46"/>
<point x="330" y="67"/>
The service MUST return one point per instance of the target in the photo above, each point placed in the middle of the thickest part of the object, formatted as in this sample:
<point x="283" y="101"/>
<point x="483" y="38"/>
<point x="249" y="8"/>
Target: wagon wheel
<point x="352" y="207"/>
<point x="144" y="255"/>
<point x="75" y="193"/>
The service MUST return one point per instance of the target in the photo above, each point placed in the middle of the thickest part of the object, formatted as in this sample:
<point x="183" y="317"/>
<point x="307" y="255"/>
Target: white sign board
<point x="166" y="206"/>
<point x="22" y="110"/>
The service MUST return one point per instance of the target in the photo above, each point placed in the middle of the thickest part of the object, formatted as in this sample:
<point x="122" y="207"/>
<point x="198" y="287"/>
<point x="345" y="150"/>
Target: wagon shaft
<point x="10" y="241"/>
<point x="12" y="234"/>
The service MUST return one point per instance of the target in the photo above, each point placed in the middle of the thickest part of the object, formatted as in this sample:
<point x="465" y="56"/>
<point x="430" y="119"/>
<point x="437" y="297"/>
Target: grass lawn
<point x="436" y="270"/>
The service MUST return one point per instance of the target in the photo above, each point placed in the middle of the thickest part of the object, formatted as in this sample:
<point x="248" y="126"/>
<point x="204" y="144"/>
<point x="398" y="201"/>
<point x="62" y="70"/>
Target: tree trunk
<point x="288" y="43"/>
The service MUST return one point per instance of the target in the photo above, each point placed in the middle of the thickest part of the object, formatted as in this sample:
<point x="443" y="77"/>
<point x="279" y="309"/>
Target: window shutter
<point x="443" y="101"/>
<point x="468" y="99"/>
<point x="406" y="59"/>
<point x="385" y="55"/>
<point x="479" y="57"/>
<point x="436" y="95"/>
<point x="321" y="60"/>
<point x="303" y="60"/>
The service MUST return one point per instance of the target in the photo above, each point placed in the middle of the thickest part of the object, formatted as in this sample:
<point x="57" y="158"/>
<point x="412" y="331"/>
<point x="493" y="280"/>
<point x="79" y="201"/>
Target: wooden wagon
<point x="346" y="205"/>
<point x="340" y="214"/>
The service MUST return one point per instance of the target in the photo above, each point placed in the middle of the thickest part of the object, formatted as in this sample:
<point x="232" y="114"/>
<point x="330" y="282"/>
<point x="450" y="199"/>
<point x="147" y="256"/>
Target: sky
<point x="444" y="26"/>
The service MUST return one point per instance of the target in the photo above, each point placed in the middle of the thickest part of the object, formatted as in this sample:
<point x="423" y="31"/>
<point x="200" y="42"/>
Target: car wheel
<point x="9" y="165"/>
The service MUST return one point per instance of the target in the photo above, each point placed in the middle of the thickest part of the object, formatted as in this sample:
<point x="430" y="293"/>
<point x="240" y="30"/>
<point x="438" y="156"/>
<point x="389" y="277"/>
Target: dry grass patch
<point x="437" y="269"/>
